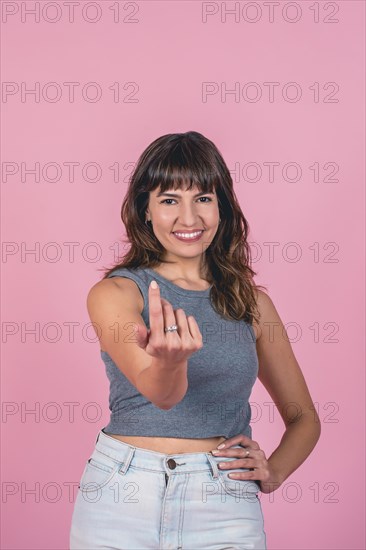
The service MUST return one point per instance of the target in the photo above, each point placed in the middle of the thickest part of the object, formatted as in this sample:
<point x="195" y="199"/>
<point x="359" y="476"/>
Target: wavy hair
<point x="171" y="162"/>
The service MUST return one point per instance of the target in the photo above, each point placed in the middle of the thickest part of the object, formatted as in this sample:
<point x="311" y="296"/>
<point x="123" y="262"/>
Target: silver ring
<point x="247" y="454"/>
<point x="171" y="328"/>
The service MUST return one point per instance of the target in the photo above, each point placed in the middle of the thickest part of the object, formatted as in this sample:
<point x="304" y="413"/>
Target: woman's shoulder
<point x="265" y="307"/>
<point x="270" y="321"/>
<point x="262" y="298"/>
<point x="118" y="287"/>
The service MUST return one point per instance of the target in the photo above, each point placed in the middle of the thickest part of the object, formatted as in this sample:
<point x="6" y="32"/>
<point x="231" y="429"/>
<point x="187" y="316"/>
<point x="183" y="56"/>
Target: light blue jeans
<point x="133" y="498"/>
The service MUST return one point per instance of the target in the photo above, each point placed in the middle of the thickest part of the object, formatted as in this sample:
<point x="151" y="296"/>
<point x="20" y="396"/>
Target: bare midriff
<point x="171" y="445"/>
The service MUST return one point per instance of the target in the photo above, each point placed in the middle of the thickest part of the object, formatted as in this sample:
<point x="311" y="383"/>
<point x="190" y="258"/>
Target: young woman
<point x="184" y="333"/>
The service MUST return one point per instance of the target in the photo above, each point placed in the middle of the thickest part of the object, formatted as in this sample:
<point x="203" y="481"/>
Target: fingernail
<point x="221" y="446"/>
<point x="154" y="284"/>
<point x="215" y="452"/>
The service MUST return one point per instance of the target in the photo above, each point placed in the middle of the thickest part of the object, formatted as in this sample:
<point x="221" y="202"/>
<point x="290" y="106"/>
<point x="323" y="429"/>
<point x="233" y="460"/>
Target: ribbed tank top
<point x="220" y="375"/>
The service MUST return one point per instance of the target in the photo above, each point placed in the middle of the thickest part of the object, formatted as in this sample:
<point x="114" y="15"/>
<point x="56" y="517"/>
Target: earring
<point x="147" y="222"/>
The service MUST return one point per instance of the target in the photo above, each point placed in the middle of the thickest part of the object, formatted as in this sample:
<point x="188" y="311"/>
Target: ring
<point x="171" y="328"/>
<point x="247" y="454"/>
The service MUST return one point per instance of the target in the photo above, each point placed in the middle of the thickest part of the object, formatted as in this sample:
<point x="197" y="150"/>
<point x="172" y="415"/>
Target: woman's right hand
<point x="168" y="347"/>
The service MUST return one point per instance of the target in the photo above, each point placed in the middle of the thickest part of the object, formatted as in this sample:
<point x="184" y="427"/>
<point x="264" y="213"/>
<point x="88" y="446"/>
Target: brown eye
<point x="164" y="201"/>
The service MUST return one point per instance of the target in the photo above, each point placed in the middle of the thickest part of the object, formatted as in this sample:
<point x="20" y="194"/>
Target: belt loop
<point x="214" y="467"/>
<point x="126" y="463"/>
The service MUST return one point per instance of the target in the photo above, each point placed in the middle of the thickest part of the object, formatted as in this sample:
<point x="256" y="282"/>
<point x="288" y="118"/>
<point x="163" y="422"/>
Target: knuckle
<point x="158" y="346"/>
<point x="186" y="344"/>
<point x="174" y="347"/>
<point x="266" y="476"/>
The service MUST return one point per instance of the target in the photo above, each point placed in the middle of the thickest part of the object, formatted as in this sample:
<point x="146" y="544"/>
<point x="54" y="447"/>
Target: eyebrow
<point x="175" y="195"/>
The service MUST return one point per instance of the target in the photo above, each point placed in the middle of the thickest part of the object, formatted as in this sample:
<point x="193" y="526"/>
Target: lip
<point x="181" y="239"/>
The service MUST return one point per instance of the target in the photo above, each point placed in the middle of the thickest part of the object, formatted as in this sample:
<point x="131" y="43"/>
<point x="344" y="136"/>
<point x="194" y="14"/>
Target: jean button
<point x="172" y="464"/>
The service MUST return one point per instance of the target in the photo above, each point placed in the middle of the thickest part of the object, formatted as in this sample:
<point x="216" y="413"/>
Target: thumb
<point x="141" y="335"/>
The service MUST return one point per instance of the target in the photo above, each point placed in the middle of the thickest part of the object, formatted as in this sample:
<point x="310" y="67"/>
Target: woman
<point x="184" y="334"/>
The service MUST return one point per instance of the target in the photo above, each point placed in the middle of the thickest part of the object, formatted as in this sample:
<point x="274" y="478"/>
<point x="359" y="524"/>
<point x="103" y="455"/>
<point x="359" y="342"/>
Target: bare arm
<point x="281" y="375"/>
<point x="114" y="307"/>
<point x="168" y="383"/>
<point x="155" y="364"/>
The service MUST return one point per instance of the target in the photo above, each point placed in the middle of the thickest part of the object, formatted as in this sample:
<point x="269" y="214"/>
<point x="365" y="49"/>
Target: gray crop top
<point x="220" y="375"/>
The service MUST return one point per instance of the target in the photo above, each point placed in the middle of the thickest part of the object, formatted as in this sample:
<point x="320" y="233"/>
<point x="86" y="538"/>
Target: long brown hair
<point x="172" y="161"/>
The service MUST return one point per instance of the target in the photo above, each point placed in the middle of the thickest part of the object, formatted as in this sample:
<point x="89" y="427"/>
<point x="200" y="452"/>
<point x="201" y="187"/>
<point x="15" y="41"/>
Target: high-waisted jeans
<point x="136" y="499"/>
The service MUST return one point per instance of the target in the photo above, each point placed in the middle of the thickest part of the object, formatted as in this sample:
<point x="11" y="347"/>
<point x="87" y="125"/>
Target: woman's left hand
<point x="249" y="456"/>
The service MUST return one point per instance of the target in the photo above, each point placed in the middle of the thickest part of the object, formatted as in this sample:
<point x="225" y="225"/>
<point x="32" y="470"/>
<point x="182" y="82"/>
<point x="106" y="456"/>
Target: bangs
<point x="181" y="169"/>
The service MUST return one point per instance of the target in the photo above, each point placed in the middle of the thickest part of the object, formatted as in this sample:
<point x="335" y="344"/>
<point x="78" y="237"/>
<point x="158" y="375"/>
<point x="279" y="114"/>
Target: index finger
<point x="236" y="440"/>
<point x="156" y="318"/>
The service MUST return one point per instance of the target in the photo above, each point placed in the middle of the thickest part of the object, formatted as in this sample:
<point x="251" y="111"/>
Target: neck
<point x="189" y="269"/>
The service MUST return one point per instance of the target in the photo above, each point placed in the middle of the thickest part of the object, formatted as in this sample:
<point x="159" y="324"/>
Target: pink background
<point x="169" y="51"/>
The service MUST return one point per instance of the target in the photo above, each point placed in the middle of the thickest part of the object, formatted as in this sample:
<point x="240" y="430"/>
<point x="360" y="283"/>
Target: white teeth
<point x="188" y="235"/>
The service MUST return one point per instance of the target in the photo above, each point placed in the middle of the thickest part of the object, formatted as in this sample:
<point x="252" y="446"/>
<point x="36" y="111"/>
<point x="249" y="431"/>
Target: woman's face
<point x="184" y="212"/>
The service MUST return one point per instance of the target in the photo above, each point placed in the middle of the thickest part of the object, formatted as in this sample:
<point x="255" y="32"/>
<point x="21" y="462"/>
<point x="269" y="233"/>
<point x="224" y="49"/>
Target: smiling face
<point x="177" y="213"/>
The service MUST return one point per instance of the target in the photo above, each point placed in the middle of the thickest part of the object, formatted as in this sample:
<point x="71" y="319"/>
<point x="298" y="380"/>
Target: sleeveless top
<point x="220" y="375"/>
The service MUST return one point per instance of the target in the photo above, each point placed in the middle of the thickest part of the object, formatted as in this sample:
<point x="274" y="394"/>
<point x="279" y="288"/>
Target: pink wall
<point x="178" y="57"/>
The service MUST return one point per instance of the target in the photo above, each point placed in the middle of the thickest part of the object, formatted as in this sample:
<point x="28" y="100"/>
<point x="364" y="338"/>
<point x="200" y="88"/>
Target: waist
<point x="170" y="445"/>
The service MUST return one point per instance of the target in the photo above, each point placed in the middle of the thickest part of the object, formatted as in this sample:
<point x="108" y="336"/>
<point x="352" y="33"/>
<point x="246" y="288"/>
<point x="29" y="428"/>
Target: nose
<point x="188" y="216"/>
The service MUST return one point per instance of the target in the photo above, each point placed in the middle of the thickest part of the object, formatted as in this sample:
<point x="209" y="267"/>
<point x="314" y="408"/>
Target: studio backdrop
<point x="86" y="86"/>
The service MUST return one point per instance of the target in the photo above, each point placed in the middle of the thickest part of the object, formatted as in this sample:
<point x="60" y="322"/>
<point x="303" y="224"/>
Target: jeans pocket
<point x="99" y="470"/>
<point x="240" y="488"/>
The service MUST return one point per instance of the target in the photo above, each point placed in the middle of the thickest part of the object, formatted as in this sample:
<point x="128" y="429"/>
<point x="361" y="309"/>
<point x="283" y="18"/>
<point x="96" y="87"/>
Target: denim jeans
<point x="133" y="498"/>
